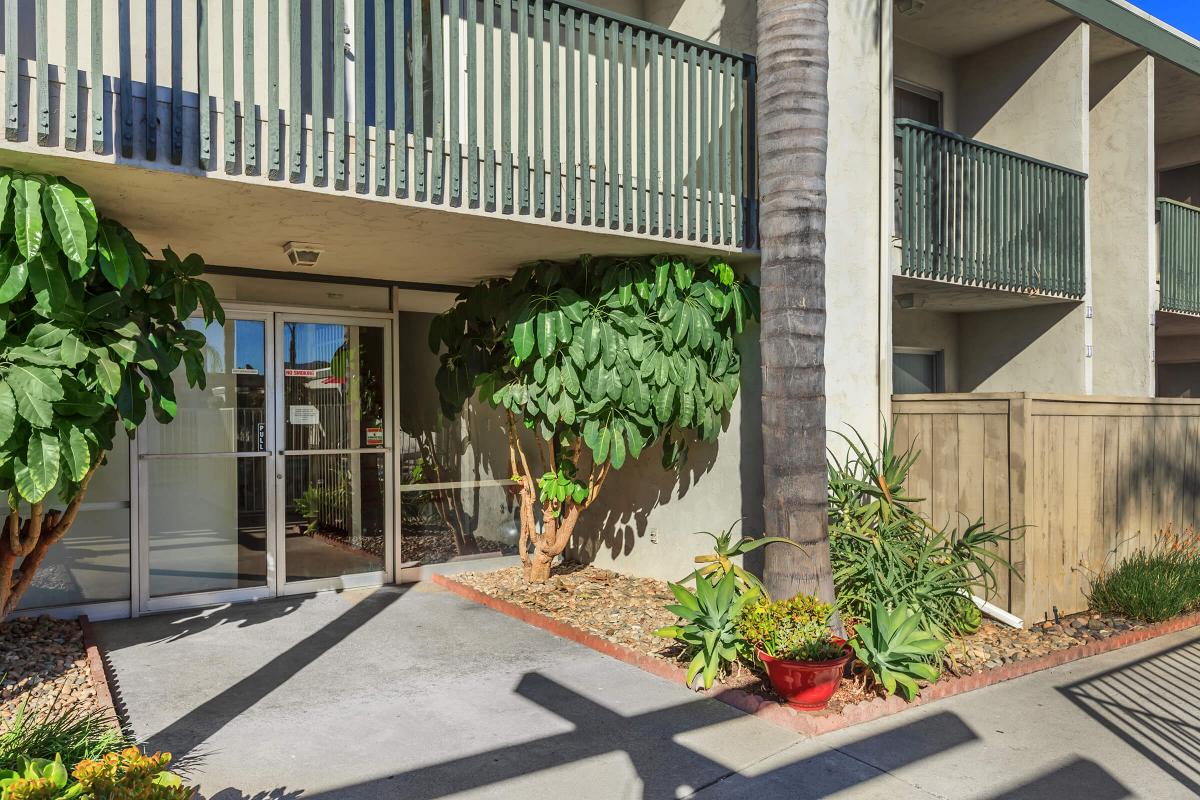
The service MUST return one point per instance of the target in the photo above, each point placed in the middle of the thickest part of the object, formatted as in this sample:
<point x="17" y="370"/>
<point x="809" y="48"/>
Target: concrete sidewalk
<point x="418" y="694"/>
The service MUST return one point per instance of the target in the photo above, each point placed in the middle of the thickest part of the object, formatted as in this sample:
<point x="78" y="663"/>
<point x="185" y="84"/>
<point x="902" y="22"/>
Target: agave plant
<point x="716" y="565"/>
<point x="896" y="650"/>
<point x="884" y="551"/>
<point x="710" y="624"/>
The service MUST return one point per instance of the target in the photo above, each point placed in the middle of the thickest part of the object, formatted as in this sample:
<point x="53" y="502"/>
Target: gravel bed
<point x="627" y="610"/>
<point x="43" y="663"/>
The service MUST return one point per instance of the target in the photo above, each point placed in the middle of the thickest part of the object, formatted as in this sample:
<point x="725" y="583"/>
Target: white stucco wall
<point x="929" y="330"/>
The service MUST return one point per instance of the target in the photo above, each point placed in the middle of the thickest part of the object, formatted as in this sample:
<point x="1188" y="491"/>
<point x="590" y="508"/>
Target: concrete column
<point x="1029" y="95"/>
<point x="1122" y="225"/>
<point x="855" y="363"/>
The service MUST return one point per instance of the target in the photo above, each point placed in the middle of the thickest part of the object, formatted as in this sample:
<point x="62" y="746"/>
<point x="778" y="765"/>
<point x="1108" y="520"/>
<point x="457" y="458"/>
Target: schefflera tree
<point x="90" y="333"/>
<point x="600" y="359"/>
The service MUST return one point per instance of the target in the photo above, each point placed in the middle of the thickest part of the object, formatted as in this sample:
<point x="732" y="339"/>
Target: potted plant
<point x="791" y="638"/>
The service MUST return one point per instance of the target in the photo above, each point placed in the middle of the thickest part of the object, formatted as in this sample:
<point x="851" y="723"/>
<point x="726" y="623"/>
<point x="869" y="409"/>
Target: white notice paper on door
<point x="304" y="415"/>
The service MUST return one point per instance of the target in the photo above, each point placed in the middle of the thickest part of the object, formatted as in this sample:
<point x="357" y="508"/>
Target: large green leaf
<point x="5" y="195"/>
<point x="76" y="454"/>
<point x="8" y="412"/>
<point x="14" y="273"/>
<point x="27" y="210"/>
<point x="49" y="284"/>
<point x="114" y="258"/>
<point x="35" y="389"/>
<point x="42" y="464"/>
<point x="109" y="375"/>
<point x="523" y="336"/>
<point x="66" y="222"/>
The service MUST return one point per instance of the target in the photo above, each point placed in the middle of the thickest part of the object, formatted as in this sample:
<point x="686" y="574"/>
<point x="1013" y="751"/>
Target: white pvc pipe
<point x="998" y="614"/>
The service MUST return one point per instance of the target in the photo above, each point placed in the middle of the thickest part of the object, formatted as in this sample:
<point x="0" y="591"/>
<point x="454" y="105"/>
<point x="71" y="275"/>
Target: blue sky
<point x="1183" y="14"/>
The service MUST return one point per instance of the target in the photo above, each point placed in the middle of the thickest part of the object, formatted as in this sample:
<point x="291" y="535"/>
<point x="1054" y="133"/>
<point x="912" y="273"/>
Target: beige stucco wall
<point x="1029" y="95"/>
<point x="929" y="330"/>
<point x="1122" y="225"/>
<point x="930" y="70"/>
<point x="855" y="364"/>
<point x="729" y="23"/>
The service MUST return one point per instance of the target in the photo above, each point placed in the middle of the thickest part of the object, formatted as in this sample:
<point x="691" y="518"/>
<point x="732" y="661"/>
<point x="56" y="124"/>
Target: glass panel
<point x="335" y="515"/>
<point x="476" y="514"/>
<point x="915" y="373"/>
<point x="444" y="524"/>
<point x="207" y="524"/>
<point x="91" y="563"/>
<point x="228" y="414"/>
<point x="332" y="386"/>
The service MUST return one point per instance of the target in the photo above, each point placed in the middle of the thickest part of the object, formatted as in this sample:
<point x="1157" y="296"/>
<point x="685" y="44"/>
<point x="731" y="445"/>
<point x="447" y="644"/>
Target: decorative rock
<point x="44" y="664"/>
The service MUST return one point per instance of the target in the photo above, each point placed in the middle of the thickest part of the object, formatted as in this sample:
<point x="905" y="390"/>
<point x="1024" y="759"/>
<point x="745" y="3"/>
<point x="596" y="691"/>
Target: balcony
<point x="980" y="216"/>
<point x="545" y="110"/>
<point x="1178" y="257"/>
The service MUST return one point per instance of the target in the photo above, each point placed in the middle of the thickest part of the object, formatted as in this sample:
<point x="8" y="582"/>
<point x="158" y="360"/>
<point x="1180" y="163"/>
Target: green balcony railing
<point x="979" y="215"/>
<point x="1178" y="257"/>
<point x="543" y="108"/>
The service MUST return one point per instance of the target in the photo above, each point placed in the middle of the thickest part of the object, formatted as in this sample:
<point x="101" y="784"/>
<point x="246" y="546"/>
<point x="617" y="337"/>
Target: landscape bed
<point x="618" y="614"/>
<point x="44" y="663"/>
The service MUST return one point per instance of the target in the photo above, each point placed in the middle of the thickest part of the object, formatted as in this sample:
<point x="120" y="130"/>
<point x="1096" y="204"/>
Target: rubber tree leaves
<point x="91" y="334"/>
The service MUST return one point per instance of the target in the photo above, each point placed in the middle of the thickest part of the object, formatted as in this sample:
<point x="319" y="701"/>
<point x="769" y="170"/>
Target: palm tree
<point x="793" y="124"/>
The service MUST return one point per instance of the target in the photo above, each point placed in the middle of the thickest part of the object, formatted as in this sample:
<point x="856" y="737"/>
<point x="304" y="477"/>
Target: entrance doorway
<point x="275" y="477"/>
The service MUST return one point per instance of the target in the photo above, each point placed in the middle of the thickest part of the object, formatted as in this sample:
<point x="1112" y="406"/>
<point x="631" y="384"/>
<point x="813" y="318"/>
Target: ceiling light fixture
<point x="303" y="254"/>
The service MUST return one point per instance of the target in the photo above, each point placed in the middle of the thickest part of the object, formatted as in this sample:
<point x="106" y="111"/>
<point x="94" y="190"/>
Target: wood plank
<point x="944" y="456"/>
<point x="996" y="495"/>
<point x="971" y="457"/>
<point x="1066" y="598"/>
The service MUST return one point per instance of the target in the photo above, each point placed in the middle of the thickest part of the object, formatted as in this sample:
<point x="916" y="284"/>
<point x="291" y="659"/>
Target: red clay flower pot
<point x="806" y="685"/>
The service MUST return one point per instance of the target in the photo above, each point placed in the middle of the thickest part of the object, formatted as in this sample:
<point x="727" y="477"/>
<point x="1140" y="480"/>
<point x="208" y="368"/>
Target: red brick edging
<point x="826" y="722"/>
<point x="97" y="670"/>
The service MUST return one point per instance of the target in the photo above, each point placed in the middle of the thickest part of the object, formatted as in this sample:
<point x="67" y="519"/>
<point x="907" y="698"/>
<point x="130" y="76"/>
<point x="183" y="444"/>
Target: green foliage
<point x="896" y="649"/>
<point x="719" y="563"/>
<point x="795" y="629"/>
<point x="59" y="730"/>
<point x="1151" y="583"/>
<point x="555" y="488"/>
<point x="34" y="779"/>
<point x="127" y="775"/>
<point x="884" y="551"/>
<point x="710" y="630"/>
<point x="90" y="332"/>
<point x="618" y="353"/>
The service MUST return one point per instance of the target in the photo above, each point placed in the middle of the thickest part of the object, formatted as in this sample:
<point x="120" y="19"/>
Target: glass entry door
<point x="333" y="495"/>
<point x="205" y="490"/>
<point x="275" y="478"/>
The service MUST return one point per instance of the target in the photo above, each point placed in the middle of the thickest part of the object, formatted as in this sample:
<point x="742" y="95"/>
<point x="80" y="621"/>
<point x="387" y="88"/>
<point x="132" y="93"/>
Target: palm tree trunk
<point x="793" y="125"/>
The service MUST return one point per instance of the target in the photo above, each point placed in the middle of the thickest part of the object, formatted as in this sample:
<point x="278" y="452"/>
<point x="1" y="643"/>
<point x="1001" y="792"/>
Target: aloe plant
<point x="710" y="630"/>
<point x="716" y="565"/>
<point x="896" y="649"/>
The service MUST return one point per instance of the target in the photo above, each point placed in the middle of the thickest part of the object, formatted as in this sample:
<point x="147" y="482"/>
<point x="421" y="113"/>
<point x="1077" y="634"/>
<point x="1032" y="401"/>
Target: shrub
<point x="1152" y="583"/>
<point x="896" y="650"/>
<point x="719" y="563"/>
<point x="59" y="730"/>
<point x="127" y="775"/>
<point x="795" y="629"/>
<point x="883" y="551"/>
<point x="711" y="631"/>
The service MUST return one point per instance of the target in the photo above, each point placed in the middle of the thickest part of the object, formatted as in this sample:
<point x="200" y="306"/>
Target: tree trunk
<point x="793" y="126"/>
<point x="31" y="541"/>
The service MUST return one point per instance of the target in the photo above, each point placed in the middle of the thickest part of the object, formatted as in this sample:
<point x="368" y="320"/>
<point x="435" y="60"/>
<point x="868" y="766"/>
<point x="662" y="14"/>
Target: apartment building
<point x="995" y="228"/>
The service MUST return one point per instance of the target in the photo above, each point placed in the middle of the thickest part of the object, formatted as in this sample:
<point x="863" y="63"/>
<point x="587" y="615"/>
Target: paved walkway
<point x="418" y="694"/>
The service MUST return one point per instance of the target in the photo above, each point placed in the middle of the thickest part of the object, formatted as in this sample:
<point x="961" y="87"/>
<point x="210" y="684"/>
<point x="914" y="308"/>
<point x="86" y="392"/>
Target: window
<point x="917" y="372"/>
<point x="917" y="103"/>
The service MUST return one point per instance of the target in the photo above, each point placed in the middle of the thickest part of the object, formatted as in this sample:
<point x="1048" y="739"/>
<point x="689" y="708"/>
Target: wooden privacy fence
<point x="536" y="107"/>
<point x="1091" y="478"/>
